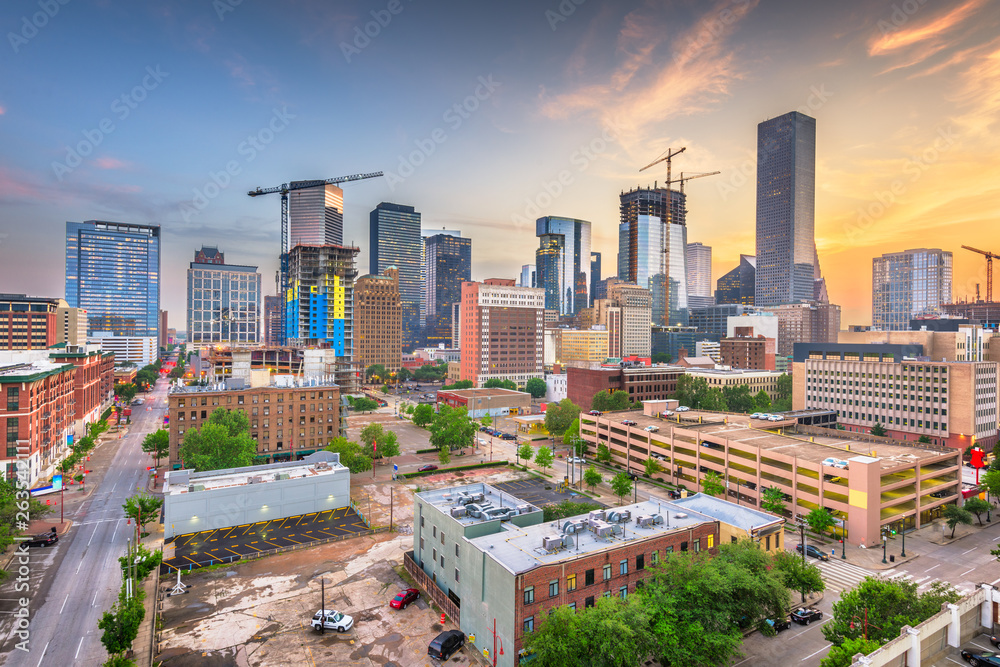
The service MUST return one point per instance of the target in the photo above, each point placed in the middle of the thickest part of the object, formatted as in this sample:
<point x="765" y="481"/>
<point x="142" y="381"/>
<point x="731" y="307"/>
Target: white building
<point x="138" y="350"/>
<point x="708" y="348"/>
<point x="556" y="388"/>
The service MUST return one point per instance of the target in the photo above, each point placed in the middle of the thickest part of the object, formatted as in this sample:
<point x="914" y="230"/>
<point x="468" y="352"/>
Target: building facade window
<point x="623" y="567"/>
<point x="623" y="592"/>
<point x="529" y="595"/>
<point x="571" y="583"/>
<point x="553" y="588"/>
<point x="607" y="571"/>
<point x="588" y="578"/>
<point x="529" y="624"/>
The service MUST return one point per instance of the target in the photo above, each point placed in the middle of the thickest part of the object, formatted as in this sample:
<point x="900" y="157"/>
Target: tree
<point x="461" y="384"/>
<point x="924" y="439"/>
<point x="691" y="390"/>
<point x="711" y="484"/>
<point x="351" y="454"/>
<point x="365" y="404"/>
<point x="543" y="457"/>
<point x="878" y="429"/>
<point x="126" y="392"/>
<point x="423" y="414"/>
<point x="156" y="444"/>
<point x="452" y="429"/>
<point x="977" y="506"/>
<point x="652" y="467"/>
<point x="819" y="520"/>
<point x="714" y="400"/>
<point x="566" y="508"/>
<point x="619" y="400"/>
<point x="843" y="655"/>
<point x="385" y="389"/>
<point x="536" y="387"/>
<point x="499" y="383"/>
<point x="661" y="358"/>
<point x="621" y="484"/>
<point x="376" y="372"/>
<point x="558" y="416"/>
<point x="486" y="420"/>
<point x="761" y="401"/>
<point x="889" y="603"/>
<point x="954" y="515"/>
<point x="378" y="442"/>
<point x="222" y="442"/>
<point x="798" y="575"/>
<point x="549" y="642"/>
<point x="525" y="451"/>
<point x="121" y="625"/>
<point x="773" y="500"/>
<point x="591" y="477"/>
<point x="990" y="480"/>
<point x="403" y="374"/>
<point x="444" y="454"/>
<point x="601" y="401"/>
<point x="603" y="454"/>
<point x="572" y="431"/>
<point x="142" y="508"/>
<point x="738" y="398"/>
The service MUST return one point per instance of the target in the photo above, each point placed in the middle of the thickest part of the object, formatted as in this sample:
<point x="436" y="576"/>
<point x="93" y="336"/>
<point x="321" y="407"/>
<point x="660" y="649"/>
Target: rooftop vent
<point x="457" y="511"/>
<point x="657" y="519"/>
<point x="680" y="515"/>
<point x="643" y="521"/>
<point x="552" y="542"/>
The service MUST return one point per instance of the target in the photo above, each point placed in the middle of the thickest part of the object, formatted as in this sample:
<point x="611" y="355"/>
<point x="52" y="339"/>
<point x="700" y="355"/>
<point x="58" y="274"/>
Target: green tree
<point x="526" y="452"/>
<point x="385" y="389"/>
<point x="403" y="374"/>
<point x="566" y="508"/>
<point x="499" y="383"/>
<point x="452" y="429"/>
<point x="761" y="401"/>
<point x="691" y="391"/>
<point x="620" y="400"/>
<point x="378" y="442"/>
<point x="820" y="521"/>
<point x="652" y="467"/>
<point x="142" y="508"/>
<point x="924" y="439"/>
<point x="954" y="515"/>
<point x="444" y="454"/>
<point x="558" y="416"/>
<point x="603" y="454"/>
<point x="461" y="384"/>
<point x="990" y="480"/>
<point x="784" y="388"/>
<point x="878" y="429"/>
<point x="222" y="442"/>
<point x="843" y="655"/>
<point x="738" y="398"/>
<point x="572" y="431"/>
<point x="591" y="477"/>
<point x="486" y="420"/>
<point x="773" y="500"/>
<point x="156" y="444"/>
<point x="712" y="485"/>
<point x="376" y="373"/>
<point x="536" y="387"/>
<point x="121" y="625"/>
<point x="126" y="392"/>
<point x="661" y="358"/>
<point x="714" y="400"/>
<point x="423" y="414"/>
<point x="543" y="458"/>
<point x="798" y="575"/>
<point x="621" y="484"/>
<point x="601" y="401"/>
<point x="365" y="404"/>
<point x="549" y="642"/>
<point x="977" y="506"/>
<point x="352" y="455"/>
<point x="889" y="604"/>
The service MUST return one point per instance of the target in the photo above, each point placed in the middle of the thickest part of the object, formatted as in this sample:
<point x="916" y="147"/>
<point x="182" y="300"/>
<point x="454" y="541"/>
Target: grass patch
<point x="405" y="576"/>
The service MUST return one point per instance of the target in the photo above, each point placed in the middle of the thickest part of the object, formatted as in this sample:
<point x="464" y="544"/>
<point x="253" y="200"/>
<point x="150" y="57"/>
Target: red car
<point x="404" y="598"/>
<point x="429" y="466"/>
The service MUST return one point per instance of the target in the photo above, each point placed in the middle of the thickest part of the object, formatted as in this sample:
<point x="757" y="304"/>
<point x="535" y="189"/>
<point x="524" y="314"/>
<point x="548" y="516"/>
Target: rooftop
<point x="726" y="372"/>
<point x="482" y="494"/>
<point x="482" y="393"/>
<point x="238" y="384"/>
<point x="30" y="371"/>
<point x="740" y="516"/>
<point x="176" y="482"/>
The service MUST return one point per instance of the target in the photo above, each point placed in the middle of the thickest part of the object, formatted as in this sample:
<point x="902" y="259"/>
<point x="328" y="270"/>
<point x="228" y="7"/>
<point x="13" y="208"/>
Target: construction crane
<point x="989" y="271"/>
<point x="283" y="190"/>
<point x="691" y="178"/>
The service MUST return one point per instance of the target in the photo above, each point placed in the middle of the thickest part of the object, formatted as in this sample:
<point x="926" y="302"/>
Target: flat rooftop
<point x="220" y="388"/>
<point x="177" y="482"/>
<point x="31" y="369"/>
<point x="494" y="392"/>
<point x="730" y="372"/>
<point x="445" y="499"/>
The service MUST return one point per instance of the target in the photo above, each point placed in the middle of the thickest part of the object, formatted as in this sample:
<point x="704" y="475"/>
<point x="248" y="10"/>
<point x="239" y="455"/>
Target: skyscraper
<point x="652" y="243"/>
<point x="223" y="300"/>
<point x="502" y="328"/>
<point x="909" y="283"/>
<point x="739" y="285"/>
<point x="699" y="275"/>
<point x="394" y="240"/>
<point x="786" y="194"/>
<point x="377" y="323"/>
<point x="527" y="276"/>
<point x="562" y="263"/>
<point x="447" y="264"/>
<point x="113" y="271"/>
<point x="272" y="320"/>
<point x="595" y="274"/>
<point x="315" y="216"/>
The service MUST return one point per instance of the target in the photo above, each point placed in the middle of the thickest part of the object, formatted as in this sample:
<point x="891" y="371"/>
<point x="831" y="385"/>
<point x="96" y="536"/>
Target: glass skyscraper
<point x="315" y="216"/>
<point x="448" y="263"/>
<point x="595" y="274"/>
<point x="562" y="263"/>
<point x="223" y="300"/>
<point x="395" y="240"/>
<point x="907" y="284"/>
<point x="738" y="286"/>
<point x="113" y="271"/>
<point x="786" y="204"/>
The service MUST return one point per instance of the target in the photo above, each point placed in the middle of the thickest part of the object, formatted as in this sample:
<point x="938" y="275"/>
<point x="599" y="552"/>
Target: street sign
<point x="395" y="468"/>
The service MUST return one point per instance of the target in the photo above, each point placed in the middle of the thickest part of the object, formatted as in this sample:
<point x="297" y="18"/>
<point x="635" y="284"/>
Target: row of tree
<point x="695" y="393"/>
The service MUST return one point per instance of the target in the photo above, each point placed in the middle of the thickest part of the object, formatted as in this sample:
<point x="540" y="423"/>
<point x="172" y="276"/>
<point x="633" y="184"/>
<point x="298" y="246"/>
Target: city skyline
<point x="560" y="109"/>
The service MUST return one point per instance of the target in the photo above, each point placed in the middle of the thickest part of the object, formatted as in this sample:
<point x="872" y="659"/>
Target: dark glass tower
<point x="595" y="274"/>
<point x="113" y="271"/>
<point x="395" y="240"/>
<point x="448" y="264"/>
<point x="786" y="204"/>
<point x="738" y="286"/>
<point x="562" y="263"/>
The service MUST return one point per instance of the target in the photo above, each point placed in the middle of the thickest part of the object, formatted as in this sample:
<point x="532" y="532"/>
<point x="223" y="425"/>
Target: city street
<point x="74" y="582"/>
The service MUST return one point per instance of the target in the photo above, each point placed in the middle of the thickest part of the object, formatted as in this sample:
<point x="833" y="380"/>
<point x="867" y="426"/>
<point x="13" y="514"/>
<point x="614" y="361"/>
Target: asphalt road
<point x="79" y="579"/>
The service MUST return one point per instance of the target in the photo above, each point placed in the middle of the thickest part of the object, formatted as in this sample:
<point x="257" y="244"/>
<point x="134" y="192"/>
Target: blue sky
<point x="563" y="103"/>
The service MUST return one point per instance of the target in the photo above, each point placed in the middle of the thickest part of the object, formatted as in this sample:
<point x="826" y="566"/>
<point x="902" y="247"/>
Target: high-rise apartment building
<point x="626" y="314"/>
<point x="698" y="257"/>
<point x="502" y="328"/>
<point x="223" y="301"/>
<point x="395" y="240"/>
<point x="272" y="320"/>
<point x="562" y="263"/>
<point x="652" y="249"/>
<point x="527" y="276"/>
<point x="71" y="324"/>
<point x="739" y="285"/>
<point x="315" y="215"/>
<point x="426" y="234"/>
<point x="113" y="272"/>
<point x="447" y="264"/>
<point x="595" y="274"/>
<point x="786" y="194"/>
<point x="28" y="322"/>
<point x="907" y="284"/>
<point x="378" y="321"/>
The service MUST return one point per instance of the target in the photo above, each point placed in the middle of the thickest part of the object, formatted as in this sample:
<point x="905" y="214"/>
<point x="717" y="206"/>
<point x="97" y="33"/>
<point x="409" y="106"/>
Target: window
<point x="697" y="545"/>
<point x="623" y="567"/>
<point x="572" y="605"/>
<point x="442" y="561"/>
<point x="640" y="562"/>
<point x="623" y="592"/>
<point x="529" y="624"/>
<point x="710" y="541"/>
<point x="684" y="546"/>
<point x="529" y="595"/>
<point x="607" y="571"/>
<point x="442" y="538"/>
<point x="571" y="583"/>
<point x="434" y="554"/>
<point x="456" y="550"/>
<point x="456" y="574"/>
<point x="434" y="531"/>
<point x="553" y="588"/>
<point x="421" y="543"/>
<point x="588" y="578"/>
<point x="421" y="520"/>
<point x="654" y="557"/>
<point x="589" y="602"/>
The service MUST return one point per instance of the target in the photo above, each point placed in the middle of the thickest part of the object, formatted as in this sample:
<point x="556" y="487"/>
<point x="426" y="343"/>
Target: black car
<point x="980" y="659"/>
<point x="806" y="615"/>
<point x="446" y="644"/>
<point x="779" y="624"/>
<point x="812" y="551"/>
<point x="674" y="494"/>
<point x="509" y="436"/>
<point x="43" y="539"/>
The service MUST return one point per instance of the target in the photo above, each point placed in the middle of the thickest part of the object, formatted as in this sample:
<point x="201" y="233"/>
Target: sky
<point x="485" y="116"/>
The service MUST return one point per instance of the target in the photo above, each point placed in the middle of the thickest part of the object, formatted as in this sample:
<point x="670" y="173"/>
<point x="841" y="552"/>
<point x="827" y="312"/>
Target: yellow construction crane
<point x="691" y="178"/>
<point x="989" y="271"/>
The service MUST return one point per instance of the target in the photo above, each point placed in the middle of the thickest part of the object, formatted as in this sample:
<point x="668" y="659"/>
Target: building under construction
<point x="985" y="313"/>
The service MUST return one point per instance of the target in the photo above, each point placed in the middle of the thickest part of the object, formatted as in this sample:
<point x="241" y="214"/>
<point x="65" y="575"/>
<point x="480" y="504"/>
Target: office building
<point x="315" y="215"/>
<point x="502" y="328"/>
<point x="71" y="324"/>
<point x="223" y="301"/>
<point x="456" y="325"/>
<point x="699" y="275"/>
<point x="714" y="319"/>
<point x="708" y="348"/>
<point x="952" y="403"/>
<point x="527" y="278"/>
<point x="738" y="285"/>
<point x="786" y="194"/>
<point x="757" y="380"/>
<point x="748" y="352"/>
<point x="378" y="321"/>
<point x="113" y="272"/>
<point x="909" y="284"/>
<point x="27" y="322"/>
<point x="447" y="264"/>
<point x="981" y="312"/>
<point x="138" y="350"/>
<point x="641" y="383"/>
<point x="163" y="330"/>
<point x="595" y="274"/>
<point x="395" y="240"/>
<point x="580" y="345"/>
<point x="562" y="263"/>
<point x="965" y="342"/>
<point x="272" y="320"/>
<point x="753" y="324"/>
<point x="671" y="340"/>
<point x="626" y="315"/>
<point x="652" y="243"/>
<point x="805" y="323"/>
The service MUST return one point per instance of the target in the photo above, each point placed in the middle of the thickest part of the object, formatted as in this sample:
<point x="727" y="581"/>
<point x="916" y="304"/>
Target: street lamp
<point x="902" y="532"/>
<point x="885" y="541"/>
<point x="843" y="539"/>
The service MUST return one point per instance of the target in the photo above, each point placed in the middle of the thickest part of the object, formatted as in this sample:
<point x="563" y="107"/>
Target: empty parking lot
<point x="534" y="491"/>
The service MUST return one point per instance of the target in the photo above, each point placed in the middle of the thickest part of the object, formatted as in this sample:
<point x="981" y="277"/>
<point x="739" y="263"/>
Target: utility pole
<point x="885" y="542"/>
<point x="322" y="606"/>
<point x="802" y="528"/>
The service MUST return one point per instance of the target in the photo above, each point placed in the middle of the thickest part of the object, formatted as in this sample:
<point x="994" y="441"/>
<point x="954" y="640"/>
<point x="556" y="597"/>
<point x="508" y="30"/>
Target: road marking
<point x="77" y="656"/>
<point x="64" y="604"/>
<point x="115" y="533"/>
<point x="968" y="550"/>
<point x="825" y="648"/>
<point x="79" y="566"/>
<point x="92" y="536"/>
<point x="43" y="654"/>
<point x="932" y="567"/>
<point x="94" y="603"/>
<point x="967" y="571"/>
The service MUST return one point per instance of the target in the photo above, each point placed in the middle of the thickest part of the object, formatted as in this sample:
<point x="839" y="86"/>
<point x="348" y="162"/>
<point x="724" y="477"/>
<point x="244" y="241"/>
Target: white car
<point x="576" y="459"/>
<point x="840" y="464"/>
<point x="756" y="415"/>
<point x="830" y="461"/>
<point x="332" y="620"/>
<point x="775" y="418"/>
<point x="682" y="408"/>
<point x="652" y="429"/>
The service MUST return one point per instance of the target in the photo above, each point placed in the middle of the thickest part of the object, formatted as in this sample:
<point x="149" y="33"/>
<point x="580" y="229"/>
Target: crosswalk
<point x="842" y="575"/>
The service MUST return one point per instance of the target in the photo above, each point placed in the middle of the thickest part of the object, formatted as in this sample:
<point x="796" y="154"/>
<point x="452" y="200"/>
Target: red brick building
<point x="642" y="383"/>
<point x="94" y="382"/>
<point x="27" y="322"/>
<point x="756" y="353"/>
<point x="502" y="329"/>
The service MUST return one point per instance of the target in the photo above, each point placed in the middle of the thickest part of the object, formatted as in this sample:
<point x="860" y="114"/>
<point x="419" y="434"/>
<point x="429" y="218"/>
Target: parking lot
<point x="222" y="545"/>
<point x="543" y="492"/>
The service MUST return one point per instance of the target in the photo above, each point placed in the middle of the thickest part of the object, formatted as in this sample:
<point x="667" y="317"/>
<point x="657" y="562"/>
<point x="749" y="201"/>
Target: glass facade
<point x="113" y="271"/>
<point x="315" y="216"/>
<point x="223" y="303"/>
<point x="562" y="263"/>
<point x="786" y="198"/>
<point x="395" y="240"/>
<point x="448" y="263"/>
<point x="595" y="274"/>
<point x="699" y="269"/>
<point x="738" y="286"/>
<point x="908" y="284"/>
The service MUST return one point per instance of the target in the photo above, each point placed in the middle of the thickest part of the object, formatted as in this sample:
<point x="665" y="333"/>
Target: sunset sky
<point x="124" y="111"/>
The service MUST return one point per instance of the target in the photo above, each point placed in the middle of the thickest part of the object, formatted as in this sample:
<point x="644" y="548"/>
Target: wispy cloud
<point x="107" y="162"/>
<point x="3" y="110"/>
<point x="908" y="35"/>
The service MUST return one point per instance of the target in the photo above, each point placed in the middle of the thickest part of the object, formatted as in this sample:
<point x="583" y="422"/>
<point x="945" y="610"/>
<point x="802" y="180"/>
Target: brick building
<point x="94" y="383"/>
<point x="642" y="384"/>
<point x="755" y="352"/>
<point x="480" y="402"/>
<point x="502" y="327"/>
<point x="378" y="320"/>
<point x="27" y="322"/>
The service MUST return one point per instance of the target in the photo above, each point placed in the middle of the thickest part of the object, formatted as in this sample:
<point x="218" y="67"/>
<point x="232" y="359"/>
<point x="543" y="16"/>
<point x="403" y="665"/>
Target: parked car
<point x="652" y="429"/>
<point x="667" y="413"/>
<point x="812" y="551"/>
<point x="830" y="461"/>
<point x="576" y="459"/>
<point x="332" y="620"/>
<point x="446" y="644"/>
<point x="978" y="659"/>
<point x="841" y="464"/>
<point x="629" y="422"/>
<point x="425" y="468"/>
<point x="682" y="408"/>
<point x="775" y="418"/>
<point x="995" y="641"/>
<point x="483" y="429"/>
<point x="595" y="412"/>
<point x="508" y="436"/>
<point x="779" y="624"/>
<point x="806" y="615"/>
<point x="43" y="539"/>
<point x="674" y="494"/>
<point x="755" y="415"/>
<point x="404" y="598"/>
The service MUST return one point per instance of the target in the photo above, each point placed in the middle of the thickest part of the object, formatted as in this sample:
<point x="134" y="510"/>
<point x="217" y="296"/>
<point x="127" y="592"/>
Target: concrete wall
<point x="237" y="505"/>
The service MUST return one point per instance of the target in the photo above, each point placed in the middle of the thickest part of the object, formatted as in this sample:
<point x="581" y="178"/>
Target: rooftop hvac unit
<point x="524" y="509"/>
<point x="617" y="529"/>
<point x="567" y="541"/>
<point x="457" y="511"/>
<point x="552" y="542"/>
<point x="644" y="521"/>
<point x="601" y="528"/>
<point x="478" y="497"/>
<point x="614" y="516"/>
<point x="573" y="526"/>
<point x="657" y="519"/>
<point x="680" y="515"/>
<point x="625" y="515"/>
<point x="596" y="515"/>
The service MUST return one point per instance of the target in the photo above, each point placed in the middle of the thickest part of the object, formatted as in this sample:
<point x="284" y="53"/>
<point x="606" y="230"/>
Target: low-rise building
<point x="138" y="350"/>
<point x="755" y="379"/>
<point x="748" y="352"/>
<point x="556" y="386"/>
<point x="641" y="383"/>
<point x="481" y="402"/>
<point x="27" y="322"/>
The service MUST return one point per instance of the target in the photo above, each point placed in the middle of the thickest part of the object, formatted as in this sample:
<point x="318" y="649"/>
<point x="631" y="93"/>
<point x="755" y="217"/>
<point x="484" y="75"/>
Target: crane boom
<point x="302" y="185"/>
<point x="989" y="270"/>
<point x="692" y="177"/>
